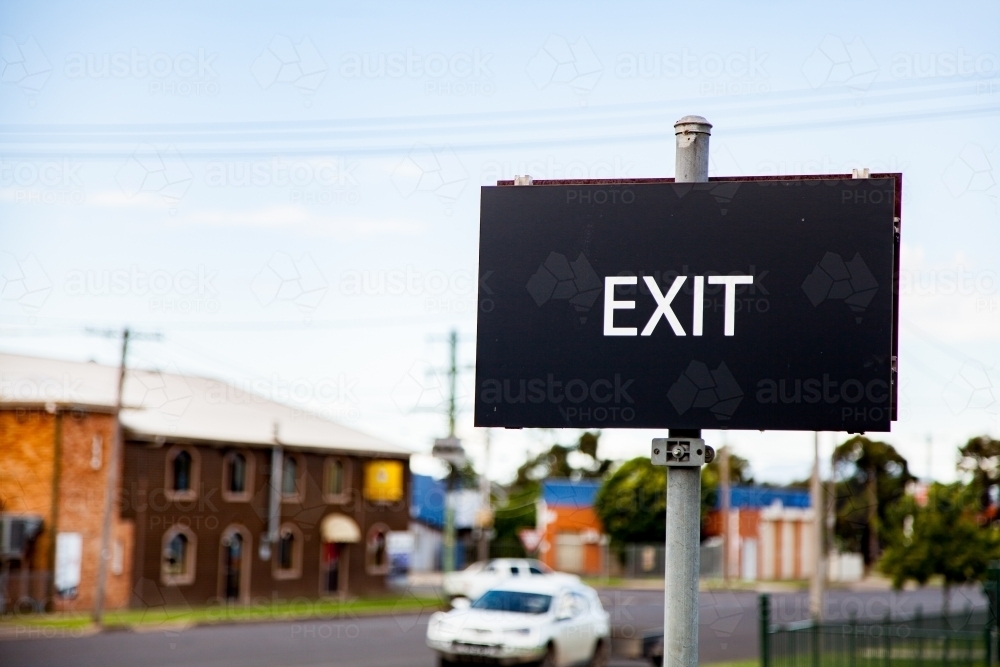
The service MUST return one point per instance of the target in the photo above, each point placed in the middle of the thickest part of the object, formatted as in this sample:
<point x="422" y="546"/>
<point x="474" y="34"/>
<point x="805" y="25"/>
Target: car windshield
<point x="517" y="602"/>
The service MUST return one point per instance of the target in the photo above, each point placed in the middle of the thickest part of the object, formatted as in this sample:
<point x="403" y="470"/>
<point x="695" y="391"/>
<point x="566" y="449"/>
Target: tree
<point x="514" y="511"/>
<point x="632" y="502"/>
<point x="980" y="457"/>
<point x="942" y="538"/>
<point x="576" y="461"/>
<point x="872" y="476"/>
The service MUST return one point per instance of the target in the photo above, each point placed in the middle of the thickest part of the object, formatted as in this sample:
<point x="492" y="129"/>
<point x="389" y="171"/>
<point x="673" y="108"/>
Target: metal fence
<point x="963" y="638"/>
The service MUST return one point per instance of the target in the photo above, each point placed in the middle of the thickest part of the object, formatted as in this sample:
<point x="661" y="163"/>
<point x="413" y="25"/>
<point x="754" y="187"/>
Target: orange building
<point x="573" y="538"/>
<point x="53" y="477"/>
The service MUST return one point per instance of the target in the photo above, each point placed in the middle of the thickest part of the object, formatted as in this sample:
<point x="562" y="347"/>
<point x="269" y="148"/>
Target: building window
<point x="288" y="553"/>
<point x="291" y="478"/>
<point x="237" y="476"/>
<point x="237" y="473"/>
<point x="234" y="564"/>
<point x="177" y="564"/>
<point x="118" y="558"/>
<point x="336" y="486"/>
<point x="182" y="473"/>
<point x="96" y="451"/>
<point x="376" y="551"/>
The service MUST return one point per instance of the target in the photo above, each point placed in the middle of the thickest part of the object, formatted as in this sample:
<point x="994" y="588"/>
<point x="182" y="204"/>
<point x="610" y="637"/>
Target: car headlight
<point x="440" y="627"/>
<point x="521" y="635"/>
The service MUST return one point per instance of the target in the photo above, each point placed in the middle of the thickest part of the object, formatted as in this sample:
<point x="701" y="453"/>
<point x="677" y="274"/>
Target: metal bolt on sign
<point x="687" y="452"/>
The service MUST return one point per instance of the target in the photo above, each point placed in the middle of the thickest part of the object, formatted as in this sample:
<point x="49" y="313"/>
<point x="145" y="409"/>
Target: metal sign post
<point x="684" y="453"/>
<point x="680" y="585"/>
<point x="818" y="581"/>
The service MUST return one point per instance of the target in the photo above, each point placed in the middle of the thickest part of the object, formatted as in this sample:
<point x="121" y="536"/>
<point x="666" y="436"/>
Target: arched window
<point x="289" y="476"/>
<point x="237" y="476"/>
<point x="175" y="555"/>
<point x="234" y="564"/>
<point x="336" y="477"/>
<point x="237" y="473"/>
<point x="182" y="473"/>
<point x="293" y="470"/>
<point x="288" y="553"/>
<point x="178" y="560"/>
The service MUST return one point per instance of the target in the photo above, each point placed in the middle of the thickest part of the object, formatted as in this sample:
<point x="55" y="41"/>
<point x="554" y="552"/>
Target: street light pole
<point x="680" y="614"/>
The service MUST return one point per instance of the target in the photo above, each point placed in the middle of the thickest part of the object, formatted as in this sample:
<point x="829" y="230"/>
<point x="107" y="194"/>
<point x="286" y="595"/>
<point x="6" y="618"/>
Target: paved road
<point x="728" y="632"/>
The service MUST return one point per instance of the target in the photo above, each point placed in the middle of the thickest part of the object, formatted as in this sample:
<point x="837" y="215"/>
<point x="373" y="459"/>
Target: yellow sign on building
<point x="384" y="481"/>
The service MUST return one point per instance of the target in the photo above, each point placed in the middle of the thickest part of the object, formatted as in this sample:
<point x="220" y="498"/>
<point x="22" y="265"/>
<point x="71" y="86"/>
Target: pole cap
<point x="693" y="124"/>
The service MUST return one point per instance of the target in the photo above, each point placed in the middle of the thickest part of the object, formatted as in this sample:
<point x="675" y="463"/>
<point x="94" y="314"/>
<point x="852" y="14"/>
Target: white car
<point x="479" y="577"/>
<point x="551" y="621"/>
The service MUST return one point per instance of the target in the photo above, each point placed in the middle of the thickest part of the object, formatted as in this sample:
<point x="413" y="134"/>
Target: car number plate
<point x="474" y="649"/>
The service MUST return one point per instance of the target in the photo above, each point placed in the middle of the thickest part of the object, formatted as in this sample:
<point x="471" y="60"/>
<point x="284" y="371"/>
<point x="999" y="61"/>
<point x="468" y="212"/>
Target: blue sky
<point x="289" y="193"/>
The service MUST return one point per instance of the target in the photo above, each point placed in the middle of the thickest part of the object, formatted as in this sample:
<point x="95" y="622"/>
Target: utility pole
<point x="930" y="458"/>
<point x="111" y="486"/>
<point x="484" y="491"/>
<point x="831" y="509"/>
<point x="873" y="545"/>
<point x="819" y="574"/>
<point x="724" y="494"/>
<point x="448" y="539"/>
<point x="452" y="381"/>
<point x="680" y="617"/>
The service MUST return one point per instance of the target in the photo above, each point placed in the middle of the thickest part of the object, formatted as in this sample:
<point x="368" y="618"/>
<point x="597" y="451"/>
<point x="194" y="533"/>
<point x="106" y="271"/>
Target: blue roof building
<point x="427" y="499"/>
<point x="570" y="493"/>
<point x="760" y="497"/>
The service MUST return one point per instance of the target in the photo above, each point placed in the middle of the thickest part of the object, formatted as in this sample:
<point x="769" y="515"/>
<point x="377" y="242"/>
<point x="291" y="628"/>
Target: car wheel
<point x="445" y="662"/>
<point x="600" y="657"/>
<point x="550" y="657"/>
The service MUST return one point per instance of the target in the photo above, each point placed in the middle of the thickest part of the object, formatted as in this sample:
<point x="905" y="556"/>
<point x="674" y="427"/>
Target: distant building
<point x="573" y="538"/>
<point x="770" y="531"/>
<point x="427" y="505"/>
<point x="222" y="494"/>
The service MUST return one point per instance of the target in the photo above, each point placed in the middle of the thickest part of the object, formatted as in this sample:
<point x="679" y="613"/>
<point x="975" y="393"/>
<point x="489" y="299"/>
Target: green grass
<point x="739" y="663"/>
<point x="603" y="582"/>
<point x="264" y="610"/>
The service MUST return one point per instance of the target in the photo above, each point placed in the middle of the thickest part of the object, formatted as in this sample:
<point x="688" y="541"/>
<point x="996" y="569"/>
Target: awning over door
<point x="340" y="528"/>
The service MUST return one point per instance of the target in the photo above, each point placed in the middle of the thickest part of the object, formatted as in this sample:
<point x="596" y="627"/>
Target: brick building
<point x="222" y="493"/>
